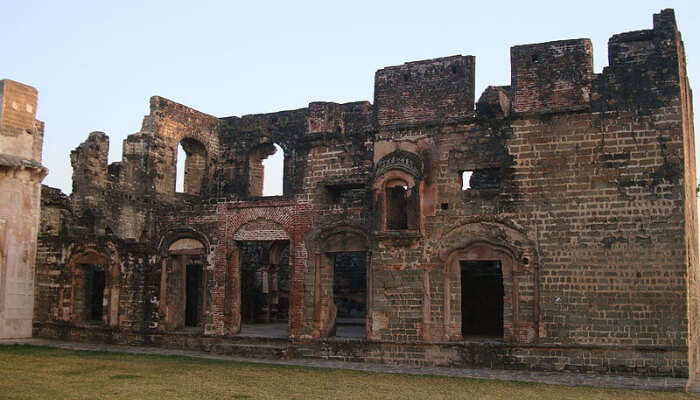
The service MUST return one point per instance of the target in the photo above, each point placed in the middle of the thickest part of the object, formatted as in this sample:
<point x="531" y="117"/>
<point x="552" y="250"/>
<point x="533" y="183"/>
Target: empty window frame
<point x="396" y="205"/>
<point x="266" y="170"/>
<point x="190" y="167"/>
<point x="484" y="178"/>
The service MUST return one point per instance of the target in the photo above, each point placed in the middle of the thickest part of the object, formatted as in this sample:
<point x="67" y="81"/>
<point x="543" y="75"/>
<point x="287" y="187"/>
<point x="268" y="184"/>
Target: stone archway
<point x="95" y="286"/>
<point x="256" y="292"/>
<point x="183" y="286"/>
<point x="289" y="221"/>
<point x="472" y="257"/>
<point x="508" y="253"/>
<point x="340" y="251"/>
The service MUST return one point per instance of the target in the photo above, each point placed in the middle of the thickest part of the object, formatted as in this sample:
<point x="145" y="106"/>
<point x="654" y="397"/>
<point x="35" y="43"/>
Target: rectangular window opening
<point x="484" y="178"/>
<point x="346" y="194"/>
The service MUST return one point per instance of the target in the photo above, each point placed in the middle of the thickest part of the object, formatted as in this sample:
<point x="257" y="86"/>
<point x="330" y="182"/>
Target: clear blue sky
<point x="96" y="64"/>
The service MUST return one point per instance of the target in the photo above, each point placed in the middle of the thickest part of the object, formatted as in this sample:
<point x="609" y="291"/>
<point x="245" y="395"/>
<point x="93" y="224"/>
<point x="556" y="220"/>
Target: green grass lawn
<point x="30" y="372"/>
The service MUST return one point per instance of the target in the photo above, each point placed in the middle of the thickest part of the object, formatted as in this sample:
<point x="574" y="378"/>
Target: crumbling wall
<point x="578" y="187"/>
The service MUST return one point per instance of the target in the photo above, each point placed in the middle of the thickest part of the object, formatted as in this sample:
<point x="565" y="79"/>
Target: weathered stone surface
<point x="21" y="139"/>
<point x="576" y="187"/>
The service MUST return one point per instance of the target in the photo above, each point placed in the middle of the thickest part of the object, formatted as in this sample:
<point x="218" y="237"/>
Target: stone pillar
<point x="21" y="173"/>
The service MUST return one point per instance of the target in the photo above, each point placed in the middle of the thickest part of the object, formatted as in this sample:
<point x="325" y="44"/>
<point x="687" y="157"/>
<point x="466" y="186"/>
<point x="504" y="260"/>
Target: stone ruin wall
<point x="582" y="187"/>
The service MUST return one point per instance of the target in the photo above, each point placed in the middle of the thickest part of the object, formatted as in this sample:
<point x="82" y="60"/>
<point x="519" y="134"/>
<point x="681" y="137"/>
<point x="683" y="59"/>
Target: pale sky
<point x="96" y="64"/>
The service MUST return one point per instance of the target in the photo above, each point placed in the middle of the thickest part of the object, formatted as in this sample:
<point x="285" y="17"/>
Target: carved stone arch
<point x="340" y="236"/>
<point x="490" y="241"/>
<point x="174" y="234"/>
<point x="494" y="232"/>
<point x="86" y="261"/>
<point x="184" y="290"/>
<point x="401" y="160"/>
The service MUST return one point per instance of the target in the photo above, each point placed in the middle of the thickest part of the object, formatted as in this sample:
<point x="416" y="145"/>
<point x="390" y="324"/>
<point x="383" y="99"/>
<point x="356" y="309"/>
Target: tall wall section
<point x="604" y="169"/>
<point x="21" y="139"/>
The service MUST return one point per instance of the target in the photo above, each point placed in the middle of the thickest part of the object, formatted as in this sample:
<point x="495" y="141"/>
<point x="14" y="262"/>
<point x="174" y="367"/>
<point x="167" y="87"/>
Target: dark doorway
<point x="194" y="294"/>
<point x="254" y="258"/>
<point x="280" y="289"/>
<point x="94" y="296"/>
<point x="350" y="293"/>
<point x="264" y="282"/>
<point x="482" y="298"/>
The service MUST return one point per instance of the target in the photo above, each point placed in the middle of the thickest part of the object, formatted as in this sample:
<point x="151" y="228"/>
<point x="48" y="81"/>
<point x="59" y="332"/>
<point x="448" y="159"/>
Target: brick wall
<point x="582" y="189"/>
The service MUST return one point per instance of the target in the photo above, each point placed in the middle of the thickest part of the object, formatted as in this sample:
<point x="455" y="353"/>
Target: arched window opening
<point x="266" y="170"/>
<point x="396" y="205"/>
<point x="190" y="167"/>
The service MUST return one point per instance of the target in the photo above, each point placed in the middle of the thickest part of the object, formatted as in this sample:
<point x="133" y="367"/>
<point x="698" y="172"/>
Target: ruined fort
<point x="550" y="225"/>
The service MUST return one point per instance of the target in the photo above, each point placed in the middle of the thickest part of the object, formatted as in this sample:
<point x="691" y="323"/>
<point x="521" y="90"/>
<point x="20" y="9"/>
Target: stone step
<point x="267" y="351"/>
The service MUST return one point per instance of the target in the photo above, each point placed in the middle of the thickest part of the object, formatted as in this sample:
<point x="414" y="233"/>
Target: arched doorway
<point x="264" y="282"/>
<point x="482" y="281"/>
<point x="261" y="279"/>
<point x="94" y="287"/>
<point x="342" y="288"/>
<point x="183" y="303"/>
<point x="492" y="252"/>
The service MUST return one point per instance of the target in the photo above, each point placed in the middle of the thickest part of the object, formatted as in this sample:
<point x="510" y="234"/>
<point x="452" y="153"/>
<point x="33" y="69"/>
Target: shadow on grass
<point x="125" y="376"/>
<point x="83" y="371"/>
